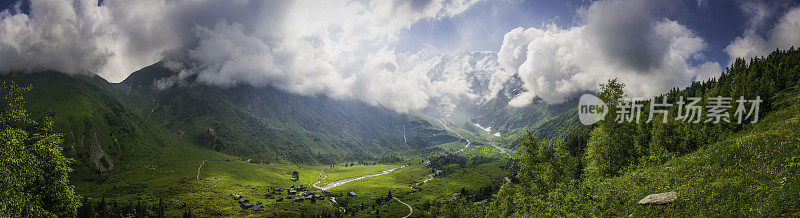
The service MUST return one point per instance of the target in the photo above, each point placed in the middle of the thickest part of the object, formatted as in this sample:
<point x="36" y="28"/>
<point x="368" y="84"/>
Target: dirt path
<point x="410" y="209"/>
<point x="430" y="176"/>
<point x="199" y="168"/>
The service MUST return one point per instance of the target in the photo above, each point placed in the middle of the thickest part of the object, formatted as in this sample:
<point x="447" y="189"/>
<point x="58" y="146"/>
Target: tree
<point x="611" y="144"/>
<point x="139" y="209"/>
<point x="31" y="152"/>
<point x="296" y="175"/>
<point x="101" y="207"/>
<point x="160" y="212"/>
<point x="86" y="209"/>
<point x="187" y="213"/>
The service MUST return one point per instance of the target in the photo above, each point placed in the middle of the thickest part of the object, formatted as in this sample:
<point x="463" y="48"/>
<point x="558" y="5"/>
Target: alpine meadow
<point x="396" y="108"/>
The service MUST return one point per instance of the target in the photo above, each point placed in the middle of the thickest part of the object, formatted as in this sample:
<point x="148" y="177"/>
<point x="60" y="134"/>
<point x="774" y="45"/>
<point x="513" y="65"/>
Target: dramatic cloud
<point x="619" y="39"/>
<point x="785" y="34"/>
<point x="343" y="49"/>
<point x="347" y="49"/>
<point x="75" y="37"/>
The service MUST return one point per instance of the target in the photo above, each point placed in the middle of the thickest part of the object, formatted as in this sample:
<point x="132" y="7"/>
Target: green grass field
<point x="172" y="177"/>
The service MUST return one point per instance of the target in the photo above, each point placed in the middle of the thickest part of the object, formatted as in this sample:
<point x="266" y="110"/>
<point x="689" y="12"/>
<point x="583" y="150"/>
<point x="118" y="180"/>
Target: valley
<point x="141" y="150"/>
<point x="423" y="108"/>
<point x="135" y="149"/>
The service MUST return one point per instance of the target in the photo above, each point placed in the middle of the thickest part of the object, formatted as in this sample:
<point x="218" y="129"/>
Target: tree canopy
<point x="35" y="173"/>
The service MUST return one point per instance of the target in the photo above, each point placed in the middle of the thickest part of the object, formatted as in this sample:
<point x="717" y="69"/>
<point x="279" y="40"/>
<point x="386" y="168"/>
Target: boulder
<point x="661" y="198"/>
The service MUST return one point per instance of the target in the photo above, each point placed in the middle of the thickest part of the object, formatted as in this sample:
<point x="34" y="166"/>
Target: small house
<point x="298" y="199"/>
<point x="351" y="194"/>
<point x="257" y="207"/>
<point x="292" y="191"/>
<point x="279" y="199"/>
<point x="246" y="205"/>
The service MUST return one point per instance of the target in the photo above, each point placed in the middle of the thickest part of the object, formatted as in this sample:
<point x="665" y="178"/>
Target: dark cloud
<point x="622" y="39"/>
<point x="625" y="33"/>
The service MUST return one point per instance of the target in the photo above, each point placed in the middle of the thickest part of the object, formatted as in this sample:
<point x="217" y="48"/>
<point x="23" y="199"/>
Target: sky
<point x="389" y="53"/>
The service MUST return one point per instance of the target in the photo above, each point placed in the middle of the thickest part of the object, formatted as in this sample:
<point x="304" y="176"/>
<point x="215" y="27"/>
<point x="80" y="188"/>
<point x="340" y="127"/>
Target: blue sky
<point x="482" y="27"/>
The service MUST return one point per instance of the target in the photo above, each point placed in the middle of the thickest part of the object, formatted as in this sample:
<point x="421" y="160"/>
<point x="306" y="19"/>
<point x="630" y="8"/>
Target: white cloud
<point x="454" y="82"/>
<point x="619" y="39"/>
<point x="785" y="34"/>
<point x="343" y="49"/>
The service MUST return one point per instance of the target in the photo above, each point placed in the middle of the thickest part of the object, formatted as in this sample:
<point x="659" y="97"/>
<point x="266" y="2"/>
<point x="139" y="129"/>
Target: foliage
<point x="35" y="173"/>
<point x="727" y="169"/>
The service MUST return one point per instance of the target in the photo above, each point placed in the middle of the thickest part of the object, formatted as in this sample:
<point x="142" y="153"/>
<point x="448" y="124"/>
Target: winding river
<point x="345" y="181"/>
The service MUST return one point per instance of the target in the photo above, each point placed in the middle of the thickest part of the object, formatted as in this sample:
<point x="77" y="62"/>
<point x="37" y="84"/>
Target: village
<point x="295" y="194"/>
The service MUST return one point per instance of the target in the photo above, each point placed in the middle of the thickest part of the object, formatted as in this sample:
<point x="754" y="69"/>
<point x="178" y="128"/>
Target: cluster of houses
<point x="295" y="194"/>
<point x="245" y="204"/>
<point x="301" y="193"/>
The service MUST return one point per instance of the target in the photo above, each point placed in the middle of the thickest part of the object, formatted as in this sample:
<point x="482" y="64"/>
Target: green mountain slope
<point x="751" y="173"/>
<point x="268" y="124"/>
<point x="100" y="133"/>
<point x="726" y="169"/>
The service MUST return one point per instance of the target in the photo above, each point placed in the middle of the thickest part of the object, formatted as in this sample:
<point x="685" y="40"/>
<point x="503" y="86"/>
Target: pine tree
<point x="160" y="210"/>
<point x="610" y="146"/>
<point x="101" y="208"/>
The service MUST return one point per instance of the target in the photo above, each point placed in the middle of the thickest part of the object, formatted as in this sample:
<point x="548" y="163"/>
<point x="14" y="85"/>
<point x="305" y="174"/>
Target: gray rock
<point x="661" y="198"/>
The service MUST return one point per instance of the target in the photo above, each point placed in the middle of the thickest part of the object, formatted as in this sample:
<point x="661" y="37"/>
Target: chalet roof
<point x="247" y="205"/>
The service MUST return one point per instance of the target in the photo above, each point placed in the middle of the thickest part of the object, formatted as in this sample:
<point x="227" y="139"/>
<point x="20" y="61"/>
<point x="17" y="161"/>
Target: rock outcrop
<point x="661" y="198"/>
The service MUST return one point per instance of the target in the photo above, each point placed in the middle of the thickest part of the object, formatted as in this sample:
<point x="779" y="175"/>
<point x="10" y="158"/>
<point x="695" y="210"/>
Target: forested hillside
<point x="268" y="124"/>
<point x="725" y="169"/>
